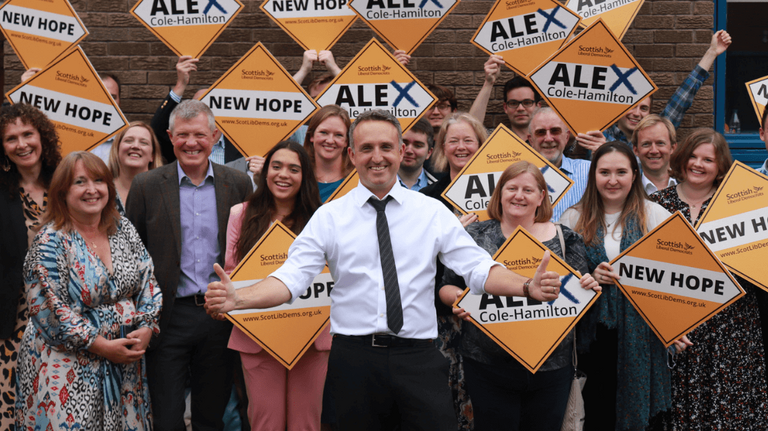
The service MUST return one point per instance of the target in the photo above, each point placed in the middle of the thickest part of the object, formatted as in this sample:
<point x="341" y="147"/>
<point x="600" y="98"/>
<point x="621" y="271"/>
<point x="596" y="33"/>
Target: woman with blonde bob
<point x="505" y="395"/>
<point x="458" y="140"/>
<point x="136" y="150"/>
<point x="724" y="371"/>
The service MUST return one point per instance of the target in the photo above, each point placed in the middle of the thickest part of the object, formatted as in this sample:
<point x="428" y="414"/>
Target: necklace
<point x="691" y="203"/>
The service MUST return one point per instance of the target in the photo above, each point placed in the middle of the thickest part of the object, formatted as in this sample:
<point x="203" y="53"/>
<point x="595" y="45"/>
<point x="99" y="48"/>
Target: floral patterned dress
<point x="72" y="299"/>
<point x="719" y="382"/>
<point x="9" y="347"/>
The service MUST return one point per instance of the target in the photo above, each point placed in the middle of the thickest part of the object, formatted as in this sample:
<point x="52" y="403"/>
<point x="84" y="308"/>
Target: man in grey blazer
<point x="173" y="210"/>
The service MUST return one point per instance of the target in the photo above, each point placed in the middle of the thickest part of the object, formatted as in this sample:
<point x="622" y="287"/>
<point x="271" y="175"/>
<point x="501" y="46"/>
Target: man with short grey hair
<point x="184" y="233"/>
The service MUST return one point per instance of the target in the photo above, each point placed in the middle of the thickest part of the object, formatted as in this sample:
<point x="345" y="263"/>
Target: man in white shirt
<point x="383" y="359"/>
<point x="653" y="141"/>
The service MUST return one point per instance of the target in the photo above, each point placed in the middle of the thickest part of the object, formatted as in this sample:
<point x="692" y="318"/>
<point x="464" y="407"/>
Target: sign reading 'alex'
<point x="258" y="97"/>
<point x="313" y="24"/>
<point x="285" y="331"/>
<point x="758" y="93"/>
<point x="472" y="188"/>
<point x="525" y="33"/>
<point x="735" y="224"/>
<point x="617" y="14"/>
<point x="527" y="329"/>
<point x="374" y="79"/>
<point x="403" y="24"/>
<point x="187" y="27"/>
<point x="592" y="81"/>
<point x="40" y="31"/>
<point x="674" y="280"/>
<point x="73" y="97"/>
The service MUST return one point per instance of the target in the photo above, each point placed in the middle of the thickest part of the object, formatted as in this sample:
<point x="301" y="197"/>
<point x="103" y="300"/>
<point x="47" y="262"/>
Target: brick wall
<point x="667" y="38"/>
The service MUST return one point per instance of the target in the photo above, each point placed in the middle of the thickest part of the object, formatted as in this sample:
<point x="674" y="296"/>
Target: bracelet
<point x="526" y="293"/>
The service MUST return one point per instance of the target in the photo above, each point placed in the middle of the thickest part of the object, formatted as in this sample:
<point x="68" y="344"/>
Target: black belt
<point x="385" y="340"/>
<point x="197" y="299"/>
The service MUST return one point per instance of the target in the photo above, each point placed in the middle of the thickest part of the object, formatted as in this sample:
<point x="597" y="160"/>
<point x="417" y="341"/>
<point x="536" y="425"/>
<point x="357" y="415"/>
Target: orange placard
<point x="735" y="225"/>
<point x="674" y="280"/>
<point x="525" y="33"/>
<point x="617" y="14"/>
<point x="285" y="331"/>
<point x="258" y="97"/>
<point x="374" y="79"/>
<point x="40" y="31"/>
<point x="187" y="27"/>
<point x="73" y="97"/>
<point x="758" y="94"/>
<point x="472" y="188"/>
<point x="528" y="329"/>
<point x="592" y="81"/>
<point x="403" y="24"/>
<point x="313" y="24"/>
<point x="345" y="187"/>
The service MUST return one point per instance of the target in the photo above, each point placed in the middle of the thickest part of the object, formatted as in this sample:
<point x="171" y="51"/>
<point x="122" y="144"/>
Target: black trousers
<point x="375" y="388"/>
<point x="192" y="348"/>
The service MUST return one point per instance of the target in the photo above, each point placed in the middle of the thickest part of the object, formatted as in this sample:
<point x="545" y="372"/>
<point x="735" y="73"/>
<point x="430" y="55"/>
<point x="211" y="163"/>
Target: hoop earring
<point x="7" y="164"/>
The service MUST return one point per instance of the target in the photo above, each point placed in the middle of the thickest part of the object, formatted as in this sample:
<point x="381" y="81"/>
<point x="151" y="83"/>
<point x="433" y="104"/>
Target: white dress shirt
<point x="343" y="233"/>
<point x="650" y="187"/>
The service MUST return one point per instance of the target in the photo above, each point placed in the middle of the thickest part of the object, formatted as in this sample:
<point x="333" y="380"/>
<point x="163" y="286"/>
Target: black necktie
<point x="391" y="286"/>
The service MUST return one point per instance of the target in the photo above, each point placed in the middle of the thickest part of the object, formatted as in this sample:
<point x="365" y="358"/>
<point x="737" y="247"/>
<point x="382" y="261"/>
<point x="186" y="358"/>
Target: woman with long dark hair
<point x="286" y="192"/>
<point x="629" y="382"/>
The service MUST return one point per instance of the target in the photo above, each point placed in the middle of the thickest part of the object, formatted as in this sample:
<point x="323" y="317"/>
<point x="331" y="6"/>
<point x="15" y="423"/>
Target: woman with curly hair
<point x="30" y="155"/>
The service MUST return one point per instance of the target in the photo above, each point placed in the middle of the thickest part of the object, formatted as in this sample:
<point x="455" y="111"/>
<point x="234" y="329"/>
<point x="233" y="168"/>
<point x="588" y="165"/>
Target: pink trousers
<point x="279" y="399"/>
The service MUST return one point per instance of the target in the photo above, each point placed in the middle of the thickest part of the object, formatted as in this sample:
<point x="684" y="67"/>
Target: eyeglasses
<point x="445" y="106"/>
<point x="513" y="104"/>
<point x="555" y="131"/>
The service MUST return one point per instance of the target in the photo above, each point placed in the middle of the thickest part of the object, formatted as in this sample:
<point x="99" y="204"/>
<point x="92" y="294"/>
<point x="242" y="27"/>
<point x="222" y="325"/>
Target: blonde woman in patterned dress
<point x="29" y="158"/>
<point x="93" y="304"/>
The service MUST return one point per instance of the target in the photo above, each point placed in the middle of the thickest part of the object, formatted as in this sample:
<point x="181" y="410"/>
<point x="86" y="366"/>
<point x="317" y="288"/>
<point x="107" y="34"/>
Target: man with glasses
<point x="445" y="106"/>
<point x="549" y="136"/>
<point x="520" y="99"/>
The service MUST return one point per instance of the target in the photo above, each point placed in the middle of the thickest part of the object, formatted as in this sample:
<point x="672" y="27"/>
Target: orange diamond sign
<point x="472" y="188"/>
<point x="313" y="24"/>
<point x="346" y="186"/>
<point x="374" y="79"/>
<point x="73" y="97"/>
<point x="258" y="97"/>
<point x="758" y="93"/>
<point x="674" y="280"/>
<point x="187" y="27"/>
<point x="403" y="24"/>
<point x="40" y="31"/>
<point x="735" y="225"/>
<point x="285" y="331"/>
<point x="527" y="329"/>
<point x="617" y="14"/>
<point x="525" y="33"/>
<point x="592" y="80"/>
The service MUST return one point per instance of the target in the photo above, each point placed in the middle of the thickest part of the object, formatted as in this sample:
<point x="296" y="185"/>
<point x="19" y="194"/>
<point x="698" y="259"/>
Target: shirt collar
<point x="361" y="194"/>
<point x="421" y="180"/>
<point x="647" y="182"/>
<point x="183" y="175"/>
<point x="566" y="165"/>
